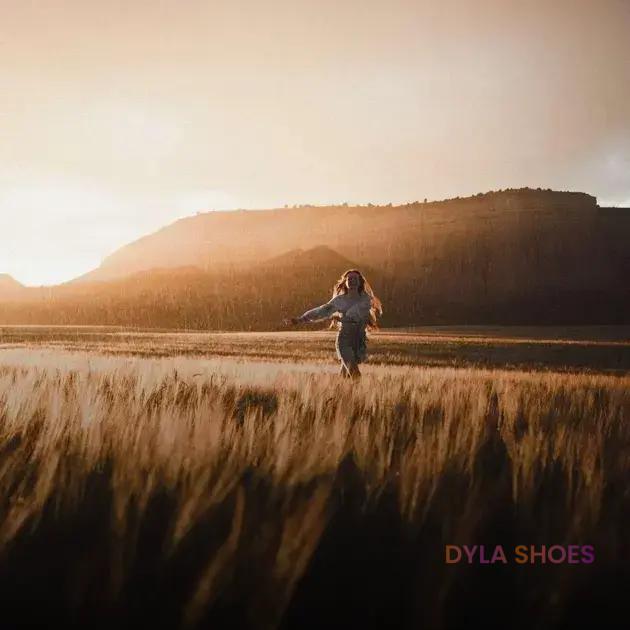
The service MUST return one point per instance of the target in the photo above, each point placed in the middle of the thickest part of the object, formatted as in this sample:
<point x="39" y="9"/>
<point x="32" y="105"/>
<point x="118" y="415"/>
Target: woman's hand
<point x="288" y="321"/>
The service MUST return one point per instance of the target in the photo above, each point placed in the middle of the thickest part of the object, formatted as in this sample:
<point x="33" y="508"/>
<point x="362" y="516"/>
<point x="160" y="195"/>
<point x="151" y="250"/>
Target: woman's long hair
<point x="340" y="288"/>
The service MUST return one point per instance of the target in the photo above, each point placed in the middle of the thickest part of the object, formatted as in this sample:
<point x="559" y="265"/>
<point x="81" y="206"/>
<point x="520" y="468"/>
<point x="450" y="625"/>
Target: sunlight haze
<point x="117" y="118"/>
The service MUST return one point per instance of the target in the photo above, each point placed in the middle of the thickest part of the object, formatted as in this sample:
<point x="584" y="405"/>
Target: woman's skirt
<point x="351" y="343"/>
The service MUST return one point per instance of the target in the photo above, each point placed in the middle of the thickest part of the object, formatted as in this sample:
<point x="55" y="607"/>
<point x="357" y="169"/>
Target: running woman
<point x="352" y="309"/>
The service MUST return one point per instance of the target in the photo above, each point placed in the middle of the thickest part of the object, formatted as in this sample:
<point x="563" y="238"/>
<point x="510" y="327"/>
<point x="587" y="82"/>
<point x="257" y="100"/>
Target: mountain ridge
<point x="229" y="236"/>
<point x="516" y="257"/>
<point x="9" y="285"/>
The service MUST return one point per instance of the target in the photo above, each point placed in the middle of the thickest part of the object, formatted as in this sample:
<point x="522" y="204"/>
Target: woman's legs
<point x="354" y="371"/>
<point x="349" y="364"/>
<point x="351" y="370"/>
<point x="347" y="346"/>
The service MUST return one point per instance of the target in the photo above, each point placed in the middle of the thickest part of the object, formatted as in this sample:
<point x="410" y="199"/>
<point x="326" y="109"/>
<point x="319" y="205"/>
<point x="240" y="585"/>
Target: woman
<point x="357" y="306"/>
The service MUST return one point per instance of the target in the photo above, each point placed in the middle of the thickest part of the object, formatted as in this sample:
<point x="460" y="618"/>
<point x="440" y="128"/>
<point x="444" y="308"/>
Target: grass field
<point x="234" y="480"/>
<point x="591" y="349"/>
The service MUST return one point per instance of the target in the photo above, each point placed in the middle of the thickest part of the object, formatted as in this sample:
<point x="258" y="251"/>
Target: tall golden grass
<point x="219" y="488"/>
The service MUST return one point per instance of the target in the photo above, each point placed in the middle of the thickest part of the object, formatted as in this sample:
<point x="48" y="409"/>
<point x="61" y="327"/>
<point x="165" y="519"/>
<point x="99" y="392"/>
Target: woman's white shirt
<point x="351" y="309"/>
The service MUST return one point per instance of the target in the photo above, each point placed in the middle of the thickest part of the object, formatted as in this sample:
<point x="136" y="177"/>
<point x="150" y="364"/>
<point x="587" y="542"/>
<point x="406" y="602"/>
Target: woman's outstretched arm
<point x="319" y="312"/>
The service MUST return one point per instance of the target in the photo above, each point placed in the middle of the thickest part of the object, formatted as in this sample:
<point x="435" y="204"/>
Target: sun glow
<point x="57" y="228"/>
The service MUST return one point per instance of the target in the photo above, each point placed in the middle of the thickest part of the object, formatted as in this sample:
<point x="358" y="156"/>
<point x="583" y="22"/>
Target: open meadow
<point x="234" y="480"/>
<point x="315" y="315"/>
<point x="594" y="349"/>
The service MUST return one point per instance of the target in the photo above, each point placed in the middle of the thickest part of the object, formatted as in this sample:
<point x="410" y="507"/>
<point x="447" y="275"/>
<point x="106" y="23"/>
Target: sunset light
<point x="314" y="314"/>
<point x="120" y="118"/>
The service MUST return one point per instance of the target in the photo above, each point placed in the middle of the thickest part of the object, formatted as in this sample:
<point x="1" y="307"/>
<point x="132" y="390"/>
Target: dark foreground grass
<point x="179" y="493"/>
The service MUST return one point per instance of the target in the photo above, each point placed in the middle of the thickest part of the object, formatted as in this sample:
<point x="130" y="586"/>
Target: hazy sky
<point x="117" y="117"/>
